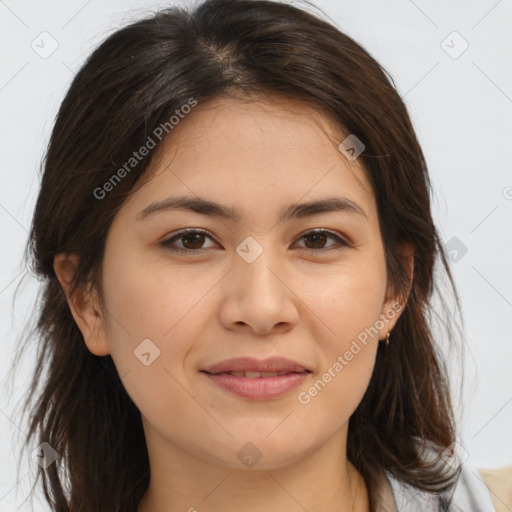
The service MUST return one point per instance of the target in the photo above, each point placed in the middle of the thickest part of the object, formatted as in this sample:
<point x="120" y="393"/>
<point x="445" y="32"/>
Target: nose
<point x="259" y="296"/>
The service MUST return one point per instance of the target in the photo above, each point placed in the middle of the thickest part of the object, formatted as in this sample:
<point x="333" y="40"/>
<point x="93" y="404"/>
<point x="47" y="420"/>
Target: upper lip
<point x="273" y="364"/>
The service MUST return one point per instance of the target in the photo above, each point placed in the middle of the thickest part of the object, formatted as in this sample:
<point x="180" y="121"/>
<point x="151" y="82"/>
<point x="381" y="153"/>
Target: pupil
<point x="196" y="235"/>
<point x="316" y="236"/>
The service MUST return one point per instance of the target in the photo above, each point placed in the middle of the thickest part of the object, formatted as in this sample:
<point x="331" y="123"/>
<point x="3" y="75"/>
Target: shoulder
<point x="469" y="493"/>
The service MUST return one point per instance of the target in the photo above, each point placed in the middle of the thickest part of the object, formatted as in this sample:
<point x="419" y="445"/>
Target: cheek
<point x="349" y="309"/>
<point x="150" y="302"/>
<point x="347" y="299"/>
<point x="154" y="317"/>
<point x="346" y="324"/>
<point x="150" y="296"/>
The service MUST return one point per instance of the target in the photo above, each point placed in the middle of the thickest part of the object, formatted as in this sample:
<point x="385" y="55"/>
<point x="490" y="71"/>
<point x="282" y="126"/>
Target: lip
<point x="272" y="364"/>
<point x="258" y="388"/>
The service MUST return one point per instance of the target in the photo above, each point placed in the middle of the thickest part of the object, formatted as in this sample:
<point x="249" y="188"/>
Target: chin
<point x="260" y="452"/>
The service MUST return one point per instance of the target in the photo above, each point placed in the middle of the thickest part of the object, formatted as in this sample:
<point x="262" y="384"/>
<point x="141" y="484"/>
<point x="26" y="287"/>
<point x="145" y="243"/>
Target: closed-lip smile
<point x="255" y="379"/>
<point x="250" y="364"/>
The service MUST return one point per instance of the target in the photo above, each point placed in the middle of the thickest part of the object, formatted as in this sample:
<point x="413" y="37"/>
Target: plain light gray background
<point x="460" y="100"/>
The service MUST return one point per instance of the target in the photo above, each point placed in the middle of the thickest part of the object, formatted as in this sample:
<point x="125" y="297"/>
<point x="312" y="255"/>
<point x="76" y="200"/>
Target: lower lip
<point x="259" y="388"/>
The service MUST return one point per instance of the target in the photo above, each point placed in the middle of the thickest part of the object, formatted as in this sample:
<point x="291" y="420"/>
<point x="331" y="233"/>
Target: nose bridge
<point x="258" y="264"/>
<point x="261" y="298"/>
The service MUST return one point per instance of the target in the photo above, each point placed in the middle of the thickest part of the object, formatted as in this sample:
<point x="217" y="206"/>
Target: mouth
<point x="253" y="385"/>
<point x="255" y="379"/>
<point x="256" y="375"/>
<point x="251" y="367"/>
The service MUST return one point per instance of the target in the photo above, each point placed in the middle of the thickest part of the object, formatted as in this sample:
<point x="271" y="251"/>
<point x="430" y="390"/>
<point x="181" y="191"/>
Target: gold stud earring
<point x="387" y="339"/>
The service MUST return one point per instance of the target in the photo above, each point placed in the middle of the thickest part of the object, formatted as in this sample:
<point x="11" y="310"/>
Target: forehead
<point x="268" y="150"/>
<point x="224" y="125"/>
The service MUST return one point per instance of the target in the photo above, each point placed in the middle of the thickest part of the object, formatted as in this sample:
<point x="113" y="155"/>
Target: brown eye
<point x="318" y="240"/>
<point x="195" y="240"/>
<point x="192" y="241"/>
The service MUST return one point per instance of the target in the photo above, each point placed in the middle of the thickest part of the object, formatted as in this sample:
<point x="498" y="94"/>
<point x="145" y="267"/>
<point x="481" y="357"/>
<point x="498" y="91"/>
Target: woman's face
<point x="256" y="284"/>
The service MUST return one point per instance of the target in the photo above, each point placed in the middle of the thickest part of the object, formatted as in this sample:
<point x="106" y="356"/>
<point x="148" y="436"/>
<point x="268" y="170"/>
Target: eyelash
<point x="344" y="243"/>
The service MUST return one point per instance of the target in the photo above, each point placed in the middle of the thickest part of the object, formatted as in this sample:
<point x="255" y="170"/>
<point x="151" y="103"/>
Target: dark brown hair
<point x="131" y="84"/>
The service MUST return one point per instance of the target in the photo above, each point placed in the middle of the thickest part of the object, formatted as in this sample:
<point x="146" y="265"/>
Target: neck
<point x="317" y="482"/>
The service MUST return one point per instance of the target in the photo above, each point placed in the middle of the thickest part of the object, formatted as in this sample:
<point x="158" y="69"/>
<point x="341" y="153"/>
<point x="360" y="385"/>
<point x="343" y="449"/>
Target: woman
<point x="207" y="347"/>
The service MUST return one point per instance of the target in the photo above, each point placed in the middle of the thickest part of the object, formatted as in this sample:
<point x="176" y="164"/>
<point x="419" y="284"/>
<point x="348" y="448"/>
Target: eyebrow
<point x="212" y="209"/>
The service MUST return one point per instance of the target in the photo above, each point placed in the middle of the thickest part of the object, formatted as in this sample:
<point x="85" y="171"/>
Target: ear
<point x="394" y="304"/>
<point x="84" y="305"/>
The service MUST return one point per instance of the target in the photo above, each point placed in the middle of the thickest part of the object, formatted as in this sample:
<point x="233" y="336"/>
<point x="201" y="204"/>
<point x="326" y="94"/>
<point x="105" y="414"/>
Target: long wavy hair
<point x="134" y="81"/>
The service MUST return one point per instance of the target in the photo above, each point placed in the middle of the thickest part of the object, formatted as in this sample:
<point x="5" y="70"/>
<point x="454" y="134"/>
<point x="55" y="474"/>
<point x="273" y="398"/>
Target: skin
<point x="202" y="308"/>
